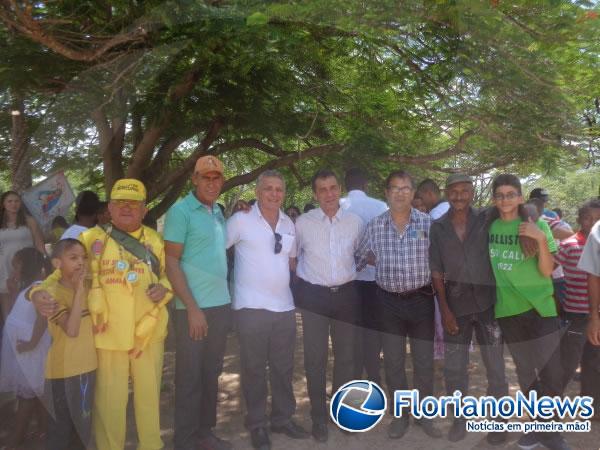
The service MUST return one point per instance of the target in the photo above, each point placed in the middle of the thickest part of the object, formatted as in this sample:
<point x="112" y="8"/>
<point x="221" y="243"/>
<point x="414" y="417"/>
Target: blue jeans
<point x="489" y="338"/>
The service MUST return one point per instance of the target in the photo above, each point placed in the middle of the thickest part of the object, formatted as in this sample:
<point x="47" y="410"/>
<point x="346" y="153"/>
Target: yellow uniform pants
<point x="112" y="386"/>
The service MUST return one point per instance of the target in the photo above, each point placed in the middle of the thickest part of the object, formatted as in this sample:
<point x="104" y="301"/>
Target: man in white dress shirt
<point x="368" y="346"/>
<point x="431" y="195"/>
<point x="264" y="309"/>
<point x="327" y="238"/>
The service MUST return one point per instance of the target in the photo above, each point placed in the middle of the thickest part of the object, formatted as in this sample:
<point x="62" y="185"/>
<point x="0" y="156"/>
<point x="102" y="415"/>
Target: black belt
<point x="331" y="289"/>
<point x="426" y="289"/>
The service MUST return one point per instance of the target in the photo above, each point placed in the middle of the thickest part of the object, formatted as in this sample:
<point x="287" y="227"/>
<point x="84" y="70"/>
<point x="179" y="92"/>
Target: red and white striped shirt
<point x="576" y="295"/>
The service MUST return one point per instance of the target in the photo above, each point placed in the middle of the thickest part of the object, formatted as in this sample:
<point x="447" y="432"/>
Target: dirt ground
<point x="231" y="413"/>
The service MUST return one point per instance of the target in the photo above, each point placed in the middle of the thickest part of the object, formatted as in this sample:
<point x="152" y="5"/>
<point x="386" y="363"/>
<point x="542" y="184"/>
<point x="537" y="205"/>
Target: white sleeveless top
<point x="11" y="241"/>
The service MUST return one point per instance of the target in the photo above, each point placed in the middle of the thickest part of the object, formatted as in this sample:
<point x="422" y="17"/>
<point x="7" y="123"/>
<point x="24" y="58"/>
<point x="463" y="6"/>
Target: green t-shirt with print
<point x="520" y="286"/>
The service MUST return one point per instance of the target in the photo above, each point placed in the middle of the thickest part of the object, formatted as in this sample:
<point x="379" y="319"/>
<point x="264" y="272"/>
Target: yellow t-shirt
<point x="125" y="280"/>
<point x="69" y="356"/>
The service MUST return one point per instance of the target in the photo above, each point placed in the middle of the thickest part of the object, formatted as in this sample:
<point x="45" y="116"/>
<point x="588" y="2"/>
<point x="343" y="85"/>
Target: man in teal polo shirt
<point x="197" y="269"/>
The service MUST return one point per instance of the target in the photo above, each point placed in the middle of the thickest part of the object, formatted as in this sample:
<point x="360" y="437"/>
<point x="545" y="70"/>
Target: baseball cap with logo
<point x="128" y="189"/>
<point x="208" y="164"/>
<point x="539" y="193"/>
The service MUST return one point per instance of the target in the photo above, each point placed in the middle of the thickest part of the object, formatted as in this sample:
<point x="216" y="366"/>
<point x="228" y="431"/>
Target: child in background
<point x="25" y="344"/>
<point x="71" y="363"/>
<point x="59" y="225"/>
<point x="576" y="304"/>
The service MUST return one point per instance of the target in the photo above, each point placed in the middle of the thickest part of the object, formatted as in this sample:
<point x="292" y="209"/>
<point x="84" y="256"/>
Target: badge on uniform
<point x="121" y="265"/>
<point x="97" y="247"/>
<point x="132" y="277"/>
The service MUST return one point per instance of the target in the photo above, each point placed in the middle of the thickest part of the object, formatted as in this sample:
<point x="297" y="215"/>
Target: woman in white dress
<point x="17" y="230"/>
<point x="25" y="343"/>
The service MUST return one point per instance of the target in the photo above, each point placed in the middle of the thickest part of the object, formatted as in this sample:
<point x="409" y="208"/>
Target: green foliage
<point x="568" y="190"/>
<point x="397" y="83"/>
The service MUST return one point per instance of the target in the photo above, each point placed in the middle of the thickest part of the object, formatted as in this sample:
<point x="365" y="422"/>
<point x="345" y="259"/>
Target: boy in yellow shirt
<point x="126" y="302"/>
<point x="71" y="363"/>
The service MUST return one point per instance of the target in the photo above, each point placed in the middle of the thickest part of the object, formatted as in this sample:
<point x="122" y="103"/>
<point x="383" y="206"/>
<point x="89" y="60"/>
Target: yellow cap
<point x="208" y="164"/>
<point x="128" y="189"/>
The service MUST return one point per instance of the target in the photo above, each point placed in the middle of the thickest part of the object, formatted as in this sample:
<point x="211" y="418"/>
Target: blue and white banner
<point x="50" y="198"/>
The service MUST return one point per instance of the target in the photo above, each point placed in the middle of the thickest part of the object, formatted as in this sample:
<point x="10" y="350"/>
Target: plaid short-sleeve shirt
<point x="401" y="256"/>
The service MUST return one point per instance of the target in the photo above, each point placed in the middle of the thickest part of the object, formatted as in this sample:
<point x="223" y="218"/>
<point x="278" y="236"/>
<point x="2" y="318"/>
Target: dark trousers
<point x="489" y="338"/>
<point x="534" y="343"/>
<point x="267" y="338"/>
<point x="198" y="365"/>
<point x="572" y="343"/>
<point x="369" y="340"/>
<point x="411" y="316"/>
<point x="326" y="311"/>
<point x="71" y="402"/>
<point x="590" y="374"/>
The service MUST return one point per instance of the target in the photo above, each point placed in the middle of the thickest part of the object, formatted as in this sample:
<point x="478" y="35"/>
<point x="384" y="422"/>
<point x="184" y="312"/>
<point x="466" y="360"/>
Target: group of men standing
<point x="359" y="270"/>
<point x="359" y="273"/>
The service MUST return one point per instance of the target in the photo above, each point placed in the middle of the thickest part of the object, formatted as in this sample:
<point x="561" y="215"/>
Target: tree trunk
<point x="20" y="157"/>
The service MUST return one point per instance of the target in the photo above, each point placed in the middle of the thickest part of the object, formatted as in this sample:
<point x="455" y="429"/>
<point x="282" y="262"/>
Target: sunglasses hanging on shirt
<point x="278" y="245"/>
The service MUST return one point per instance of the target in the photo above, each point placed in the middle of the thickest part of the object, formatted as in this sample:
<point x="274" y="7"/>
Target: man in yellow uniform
<point x="127" y="302"/>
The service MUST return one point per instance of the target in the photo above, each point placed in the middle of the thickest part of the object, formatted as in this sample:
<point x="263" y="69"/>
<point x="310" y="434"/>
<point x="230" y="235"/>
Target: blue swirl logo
<point x="358" y="406"/>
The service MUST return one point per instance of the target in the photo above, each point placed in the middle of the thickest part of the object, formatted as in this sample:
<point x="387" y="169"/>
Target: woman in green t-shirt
<point x="521" y="250"/>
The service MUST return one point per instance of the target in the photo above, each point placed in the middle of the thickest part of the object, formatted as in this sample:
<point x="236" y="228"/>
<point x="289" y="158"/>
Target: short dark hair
<point x="88" y="204"/>
<point x="308" y="207"/>
<point x="34" y="264"/>
<point x="506" y="179"/>
<point x="63" y="245"/>
<point x="60" y="221"/>
<point x="320" y="175"/>
<point x="429" y="185"/>
<point x="402" y="174"/>
<point x="355" y="178"/>
<point x="590" y="204"/>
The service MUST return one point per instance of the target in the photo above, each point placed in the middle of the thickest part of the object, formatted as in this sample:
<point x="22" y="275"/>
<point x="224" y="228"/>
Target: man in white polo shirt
<point x="264" y="312"/>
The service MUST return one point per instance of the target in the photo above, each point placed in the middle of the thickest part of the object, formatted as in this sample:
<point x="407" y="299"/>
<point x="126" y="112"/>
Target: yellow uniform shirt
<point x="125" y="280"/>
<point x="69" y="356"/>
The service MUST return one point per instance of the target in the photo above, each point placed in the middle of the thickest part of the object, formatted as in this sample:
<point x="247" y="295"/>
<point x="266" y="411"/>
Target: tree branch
<point x="142" y="154"/>
<point x="284" y="161"/>
<point x="186" y="168"/>
<point x="18" y="15"/>
<point x="246" y="143"/>
<point x="171" y="196"/>
<point x="456" y="149"/>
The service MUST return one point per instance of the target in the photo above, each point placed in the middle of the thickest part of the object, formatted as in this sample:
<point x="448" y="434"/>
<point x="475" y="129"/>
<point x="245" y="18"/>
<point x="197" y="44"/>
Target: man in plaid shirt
<point x="397" y="242"/>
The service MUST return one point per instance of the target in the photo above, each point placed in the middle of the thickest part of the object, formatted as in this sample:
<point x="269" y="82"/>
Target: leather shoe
<point x="212" y="442"/>
<point x="429" y="428"/>
<point x="260" y="439"/>
<point x="291" y="429"/>
<point x="496" y="437"/>
<point x="457" y="431"/>
<point x="320" y="432"/>
<point x="398" y="427"/>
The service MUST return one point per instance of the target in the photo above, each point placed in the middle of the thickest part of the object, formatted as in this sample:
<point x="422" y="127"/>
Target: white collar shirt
<point x="439" y="210"/>
<point x="261" y="277"/>
<point x="326" y="246"/>
<point x="367" y="208"/>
